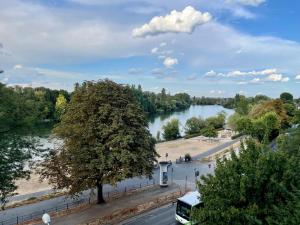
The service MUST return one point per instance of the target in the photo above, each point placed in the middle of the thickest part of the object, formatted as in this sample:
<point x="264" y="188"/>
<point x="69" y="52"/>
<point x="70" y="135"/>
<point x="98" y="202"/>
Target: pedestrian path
<point x="97" y="211"/>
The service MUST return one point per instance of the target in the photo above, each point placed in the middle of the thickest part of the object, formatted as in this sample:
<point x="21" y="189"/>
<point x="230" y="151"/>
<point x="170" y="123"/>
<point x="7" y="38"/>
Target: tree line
<point x="265" y="119"/>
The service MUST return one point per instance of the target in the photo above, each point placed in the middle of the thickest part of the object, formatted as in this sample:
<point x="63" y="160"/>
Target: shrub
<point x="187" y="157"/>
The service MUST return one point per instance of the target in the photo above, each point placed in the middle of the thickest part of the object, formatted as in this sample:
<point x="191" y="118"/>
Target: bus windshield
<point x="183" y="210"/>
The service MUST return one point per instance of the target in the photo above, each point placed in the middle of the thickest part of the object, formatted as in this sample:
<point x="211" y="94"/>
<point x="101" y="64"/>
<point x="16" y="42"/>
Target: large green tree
<point x="258" y="187"/>
<point x="16" y="143"/>
<point x="286" y="97"/>
<point x="171" y="130"/>
<point x="194" y="125"/>
<point x="105" y="140"/>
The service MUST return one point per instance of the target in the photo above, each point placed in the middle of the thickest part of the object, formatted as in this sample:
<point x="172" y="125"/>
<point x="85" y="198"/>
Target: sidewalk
<point x="124" y="202"/>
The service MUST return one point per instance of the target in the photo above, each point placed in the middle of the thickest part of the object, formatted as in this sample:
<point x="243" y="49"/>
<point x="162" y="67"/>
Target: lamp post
<point x="196" y="175"/>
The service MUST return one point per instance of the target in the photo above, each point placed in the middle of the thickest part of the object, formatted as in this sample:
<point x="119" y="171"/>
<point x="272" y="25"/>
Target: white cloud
<point x="270" y="75"/>
<point x="154" y="50"/>
<point x="285" y="79"/>
<point x="247" y="2"/>
<point x="297" y="77"/>
<point x="211" y="74"/>
<point x="18" y="66"/>
<point x="238" y="73"/>
<point x="163" y="44"/>
<point x="170" y="62"/>
<point x="175" y="22"/>
<point x="277" y="78"/>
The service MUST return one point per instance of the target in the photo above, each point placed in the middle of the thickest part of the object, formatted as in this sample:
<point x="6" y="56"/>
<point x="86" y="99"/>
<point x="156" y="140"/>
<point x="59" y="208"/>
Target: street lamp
<point x="46" y="219"/>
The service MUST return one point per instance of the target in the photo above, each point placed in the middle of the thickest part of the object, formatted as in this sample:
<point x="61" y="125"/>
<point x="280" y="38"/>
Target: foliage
<point x="16" y="143"/>
<point x="218" y="121"/>
<point x="296" y="118"/>
<point x="194" y="125"/>
<point x="209" y="131"/>
<point x="241" y="104"/>
<point x="187" y="157"/>
<point x="60" y="105"/>
<point x="171" y="130"/>
<point x="105" y="140"/>
<point x="258" y="187"/>
<point x="233" y="120"/>
<point x="162" y="102"/>
<point x="15" y="152"/>
<point x="40" y="102"/>
<point x="290" y="109"/>
<point x="286" y="97"/>
<point x="276" y="106"/>
<point x="225" y="102"/>
<point x="265" y="128"/>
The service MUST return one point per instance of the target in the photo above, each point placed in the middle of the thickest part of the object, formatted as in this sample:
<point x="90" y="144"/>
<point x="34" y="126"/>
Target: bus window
<point x="183" y="210"/>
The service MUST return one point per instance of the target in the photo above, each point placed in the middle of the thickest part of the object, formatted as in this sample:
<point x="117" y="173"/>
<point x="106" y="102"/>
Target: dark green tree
<point x="194" y="125"/>
<point x="286" y="97"/>
<point x="209" y="132"/>
<point x="257" y="187"/>
<point x="171" y="130"/>
<point x="217" y="121"/>
<point x="105" y="140"/>
<point x="16" y="143"/>
<point x="241" y="104"/>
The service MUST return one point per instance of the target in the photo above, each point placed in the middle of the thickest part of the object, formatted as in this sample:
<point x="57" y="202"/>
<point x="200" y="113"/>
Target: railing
<point x="21" y="219"/>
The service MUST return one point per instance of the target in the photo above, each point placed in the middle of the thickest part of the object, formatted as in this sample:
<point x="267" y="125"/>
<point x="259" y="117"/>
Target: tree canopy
<point x="286" y="97"/>
<point x="257" y="187"/>
<point x="16" y="143"/>
<point x="171" y="130"/>
<point x="105" y="140"/>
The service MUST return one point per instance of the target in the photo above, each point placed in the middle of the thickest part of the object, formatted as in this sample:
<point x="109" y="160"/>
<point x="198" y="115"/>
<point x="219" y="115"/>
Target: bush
<point x="171" y="130"/>
<point x="217" y="121"/>
<point x="187" y="157"/>
<point x="209" y="132"/>
<point x="194" y="125"/>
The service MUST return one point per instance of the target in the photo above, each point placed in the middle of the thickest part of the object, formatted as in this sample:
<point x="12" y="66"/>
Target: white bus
<point x="185" y="204"/>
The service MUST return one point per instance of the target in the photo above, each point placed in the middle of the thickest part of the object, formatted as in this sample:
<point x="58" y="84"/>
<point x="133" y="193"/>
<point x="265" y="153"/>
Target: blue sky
<point x="202" y="47"/>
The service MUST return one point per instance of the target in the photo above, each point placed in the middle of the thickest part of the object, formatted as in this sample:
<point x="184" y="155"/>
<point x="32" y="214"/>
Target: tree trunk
<point x="100" y="199"/>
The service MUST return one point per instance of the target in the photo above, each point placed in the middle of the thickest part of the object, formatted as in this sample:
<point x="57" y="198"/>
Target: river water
<point x="203" y="111"/>
<point x="156" y="123"/>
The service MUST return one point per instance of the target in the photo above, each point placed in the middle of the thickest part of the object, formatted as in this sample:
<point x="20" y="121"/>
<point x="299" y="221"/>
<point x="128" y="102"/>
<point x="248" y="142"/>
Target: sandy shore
<point x="175" y="149"/>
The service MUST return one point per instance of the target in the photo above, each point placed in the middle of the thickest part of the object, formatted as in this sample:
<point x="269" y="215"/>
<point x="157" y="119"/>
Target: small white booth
<point x="163" y="178"/>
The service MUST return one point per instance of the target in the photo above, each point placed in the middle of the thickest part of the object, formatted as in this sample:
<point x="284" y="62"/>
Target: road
<point x="182" y="174"/>
<point x="161" y="216"/>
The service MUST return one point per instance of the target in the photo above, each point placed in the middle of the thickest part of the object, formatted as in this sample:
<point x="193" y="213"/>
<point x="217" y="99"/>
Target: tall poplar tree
<point x="105" y="140"/>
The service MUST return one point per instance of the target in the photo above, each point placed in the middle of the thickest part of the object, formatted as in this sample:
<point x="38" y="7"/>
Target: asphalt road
<point x="182" y="174"/>
<point x="164" y="215"/>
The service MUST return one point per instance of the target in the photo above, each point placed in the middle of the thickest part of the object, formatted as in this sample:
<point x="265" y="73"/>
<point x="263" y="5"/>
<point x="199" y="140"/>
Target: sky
<point x="214" y="48"/>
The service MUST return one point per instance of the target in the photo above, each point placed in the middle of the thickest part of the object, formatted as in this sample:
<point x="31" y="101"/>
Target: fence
<point x="37" y="215"/>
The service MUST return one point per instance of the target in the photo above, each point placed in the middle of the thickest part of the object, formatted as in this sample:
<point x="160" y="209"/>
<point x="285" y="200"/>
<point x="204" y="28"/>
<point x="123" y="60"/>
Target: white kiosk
<point x="163" y="178"/>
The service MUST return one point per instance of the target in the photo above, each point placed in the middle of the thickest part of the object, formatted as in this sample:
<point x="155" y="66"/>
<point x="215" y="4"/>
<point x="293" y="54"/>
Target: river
<point x="156" y="123"/>
<point x="203" y="111"/>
